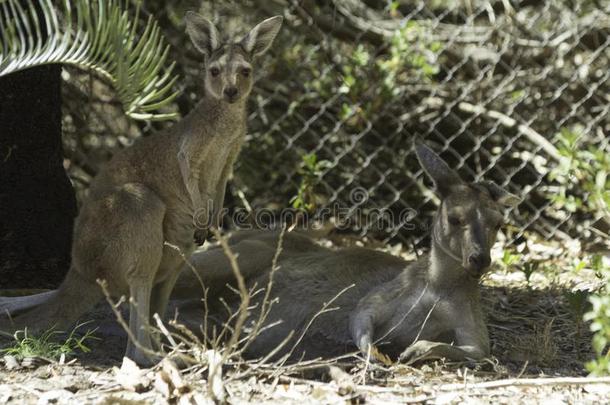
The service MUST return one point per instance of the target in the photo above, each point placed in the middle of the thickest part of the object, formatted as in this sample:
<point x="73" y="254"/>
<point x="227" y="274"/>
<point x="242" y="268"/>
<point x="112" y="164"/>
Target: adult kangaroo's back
<point x="429" y="307"/>
<point x="155" y="194"/>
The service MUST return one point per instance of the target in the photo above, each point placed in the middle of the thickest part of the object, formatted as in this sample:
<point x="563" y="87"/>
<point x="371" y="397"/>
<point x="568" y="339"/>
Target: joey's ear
<point x="259" y="39"/>
<point x="436" y="168"/>
<point x="500" y="195"/>
<point x="203" y="33"/>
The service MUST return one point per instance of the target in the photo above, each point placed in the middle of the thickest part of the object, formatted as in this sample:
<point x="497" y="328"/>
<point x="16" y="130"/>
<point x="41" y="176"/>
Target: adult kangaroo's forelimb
<point x="426" y="350"/>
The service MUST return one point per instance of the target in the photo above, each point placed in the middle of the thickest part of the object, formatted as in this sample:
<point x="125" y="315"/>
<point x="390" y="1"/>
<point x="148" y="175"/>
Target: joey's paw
<point x="201" y="235"/>
<point x="417" y="351"/>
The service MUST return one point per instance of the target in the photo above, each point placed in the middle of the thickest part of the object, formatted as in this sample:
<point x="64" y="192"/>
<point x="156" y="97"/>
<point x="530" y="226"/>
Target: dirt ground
<point x="539" y="347"/>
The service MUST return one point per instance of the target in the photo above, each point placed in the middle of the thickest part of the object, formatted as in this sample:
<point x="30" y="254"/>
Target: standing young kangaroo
<point x="154" y="193"/>
<point x="429" y="307"/>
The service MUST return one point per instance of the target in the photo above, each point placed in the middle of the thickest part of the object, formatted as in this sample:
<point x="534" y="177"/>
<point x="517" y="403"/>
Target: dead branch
<point x="243" y="291"/>
<point x="509" y="122"/>
<point x="528" y="382"/>
<point x="216" y="387"/>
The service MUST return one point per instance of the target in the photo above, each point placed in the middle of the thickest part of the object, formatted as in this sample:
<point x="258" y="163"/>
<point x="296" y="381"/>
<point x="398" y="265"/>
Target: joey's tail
<point x="58" y="308"/>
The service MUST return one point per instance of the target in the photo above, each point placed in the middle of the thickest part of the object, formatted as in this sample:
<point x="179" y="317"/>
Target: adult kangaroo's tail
<point x="17" y="305"/>
<point x="59" y="308"/>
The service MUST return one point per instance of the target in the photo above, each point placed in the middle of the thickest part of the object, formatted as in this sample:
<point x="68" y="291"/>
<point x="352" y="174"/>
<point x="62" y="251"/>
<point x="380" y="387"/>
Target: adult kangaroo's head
<point x="229" y="65"/>
<point x="469" y="216"/>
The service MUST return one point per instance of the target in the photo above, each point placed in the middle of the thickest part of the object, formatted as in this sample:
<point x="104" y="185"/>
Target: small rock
<point x="131" y="377"/>
<point x="6" y="393"/>
<point x="11" y="362"/>
<point x="603" y="389"/>
<point x="345" y="383"/>
<point x="54" y="396"/>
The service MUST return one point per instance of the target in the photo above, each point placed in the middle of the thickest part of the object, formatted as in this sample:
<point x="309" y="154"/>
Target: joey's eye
<point x="245" y="72"/>
<point x="214" y="71"/>
<point x="455" y="221"/>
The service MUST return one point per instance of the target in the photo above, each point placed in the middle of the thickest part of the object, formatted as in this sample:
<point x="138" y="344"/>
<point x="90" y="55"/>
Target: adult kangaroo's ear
<point x="260" y="38"/>
<point x="441" y="174"/>
<point x="203" y="33"/>
<point x="500" y="195"/>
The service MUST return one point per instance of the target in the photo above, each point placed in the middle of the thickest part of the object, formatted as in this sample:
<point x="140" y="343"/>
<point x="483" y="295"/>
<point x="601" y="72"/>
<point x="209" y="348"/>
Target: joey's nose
<point x="231" y="92"/>
<point x="479" y="261"/>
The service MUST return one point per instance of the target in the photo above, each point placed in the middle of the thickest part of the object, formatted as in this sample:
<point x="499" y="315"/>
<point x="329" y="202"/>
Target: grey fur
<point x="429" y="308"/>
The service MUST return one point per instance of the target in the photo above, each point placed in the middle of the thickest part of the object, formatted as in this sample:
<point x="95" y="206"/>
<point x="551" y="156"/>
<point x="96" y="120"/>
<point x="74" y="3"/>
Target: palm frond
<point x="92" y="35"/>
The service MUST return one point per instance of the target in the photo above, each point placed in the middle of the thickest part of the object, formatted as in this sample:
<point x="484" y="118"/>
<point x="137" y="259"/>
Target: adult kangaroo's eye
<point x="214" y="71"/>
<point x="246" y="72"/>
<point x="455" y="221"/>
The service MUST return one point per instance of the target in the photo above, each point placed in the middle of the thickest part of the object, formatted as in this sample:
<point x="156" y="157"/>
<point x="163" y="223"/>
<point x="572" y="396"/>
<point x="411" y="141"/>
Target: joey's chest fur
<point x="216" y="161"/>
<point x="215" y="144"/>
<point x="210" y="151"/>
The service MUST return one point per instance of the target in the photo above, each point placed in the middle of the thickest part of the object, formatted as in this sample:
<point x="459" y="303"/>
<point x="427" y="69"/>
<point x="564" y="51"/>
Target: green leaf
<point x="93" y="35"/>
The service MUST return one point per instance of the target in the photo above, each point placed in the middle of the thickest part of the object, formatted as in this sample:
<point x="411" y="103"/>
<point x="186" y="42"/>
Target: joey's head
<point x="229" y="65"/>
<point x="469" y="216"/>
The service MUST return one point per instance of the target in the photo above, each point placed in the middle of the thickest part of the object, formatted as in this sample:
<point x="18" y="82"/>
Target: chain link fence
<point x="512" y="91"/>
<point x="503" y="90"/>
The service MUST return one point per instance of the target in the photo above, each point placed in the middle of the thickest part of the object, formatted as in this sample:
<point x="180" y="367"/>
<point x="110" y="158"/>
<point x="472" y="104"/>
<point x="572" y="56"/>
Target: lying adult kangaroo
<point x="429" y="307"/>
<point x="149" y="193"/>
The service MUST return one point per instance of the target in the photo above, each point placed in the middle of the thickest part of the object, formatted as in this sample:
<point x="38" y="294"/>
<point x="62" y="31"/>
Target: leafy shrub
<point x="583" y="175"/>
<point x="599" y="316"/>
<point x="310" y="172"/>
<point x="46" y="344"/>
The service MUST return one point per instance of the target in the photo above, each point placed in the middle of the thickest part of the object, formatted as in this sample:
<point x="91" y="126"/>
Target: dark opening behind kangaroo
<point x="413" y="310"/>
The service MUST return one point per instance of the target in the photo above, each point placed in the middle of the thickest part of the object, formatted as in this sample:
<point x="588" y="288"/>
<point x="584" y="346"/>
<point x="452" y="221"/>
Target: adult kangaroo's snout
<point x="479" y="261"/>
<point x="476" y="257"/>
